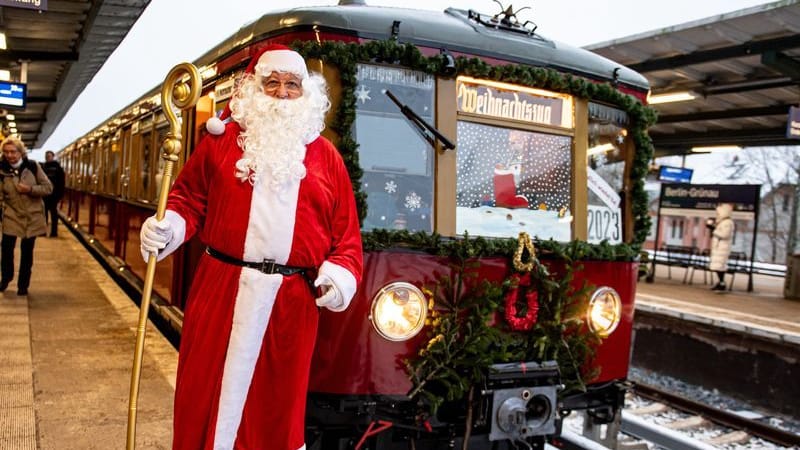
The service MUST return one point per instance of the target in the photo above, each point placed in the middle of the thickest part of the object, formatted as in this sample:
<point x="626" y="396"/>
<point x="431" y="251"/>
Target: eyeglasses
<point x="277" y="84"/>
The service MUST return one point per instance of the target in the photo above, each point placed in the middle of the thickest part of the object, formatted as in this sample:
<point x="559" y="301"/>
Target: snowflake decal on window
<point x="363" y="94"/>
<point x="413" y="201"/>
<point x="391" y="187"/>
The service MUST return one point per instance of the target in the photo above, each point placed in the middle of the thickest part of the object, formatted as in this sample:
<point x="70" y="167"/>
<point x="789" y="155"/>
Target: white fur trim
<point x="344" y="281"/>
<point x="215" y="126"/>
<point x="270" y="230"/>
<point x="178" y="225"/>
<point x="281" y="61"/>
<point x="251" y="314"/>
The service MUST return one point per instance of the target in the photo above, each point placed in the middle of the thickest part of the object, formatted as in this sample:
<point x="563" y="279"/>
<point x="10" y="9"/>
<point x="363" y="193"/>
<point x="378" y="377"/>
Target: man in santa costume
<point x="273" y="202"/>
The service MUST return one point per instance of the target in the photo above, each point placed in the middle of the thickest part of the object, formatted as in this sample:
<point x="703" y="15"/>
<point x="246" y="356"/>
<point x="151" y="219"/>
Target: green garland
<point x="467" y="333"/>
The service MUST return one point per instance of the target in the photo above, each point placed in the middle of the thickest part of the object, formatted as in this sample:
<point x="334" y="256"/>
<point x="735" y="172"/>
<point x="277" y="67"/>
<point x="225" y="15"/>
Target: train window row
<point x="515" y="168"/>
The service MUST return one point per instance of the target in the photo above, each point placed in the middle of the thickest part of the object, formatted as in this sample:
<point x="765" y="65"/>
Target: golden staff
<point x="183" y="93"/>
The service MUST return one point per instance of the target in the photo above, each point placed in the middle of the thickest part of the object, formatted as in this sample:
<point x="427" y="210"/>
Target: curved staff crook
<point x="183" y="93"/>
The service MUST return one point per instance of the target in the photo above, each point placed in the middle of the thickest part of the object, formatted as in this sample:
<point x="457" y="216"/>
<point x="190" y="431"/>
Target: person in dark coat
<point x="23" y="186"/>
<point x="55" y="173"/>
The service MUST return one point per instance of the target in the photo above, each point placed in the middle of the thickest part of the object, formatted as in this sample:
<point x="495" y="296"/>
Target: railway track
<point x="670" y="421"/>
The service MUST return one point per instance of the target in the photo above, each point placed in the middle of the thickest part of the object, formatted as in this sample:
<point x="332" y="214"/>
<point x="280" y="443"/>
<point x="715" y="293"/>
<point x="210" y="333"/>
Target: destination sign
<point x="508" y="101"/>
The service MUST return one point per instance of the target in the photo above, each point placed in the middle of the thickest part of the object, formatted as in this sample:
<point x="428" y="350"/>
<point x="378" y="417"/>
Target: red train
<point x="464" y="133"/>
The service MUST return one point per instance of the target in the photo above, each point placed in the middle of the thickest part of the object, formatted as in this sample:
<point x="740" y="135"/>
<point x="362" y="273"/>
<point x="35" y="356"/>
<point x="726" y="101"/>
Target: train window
<point x="127" y="155"/>
<point x="511" y="180"/>
<point x="146" y="142"/>
<point x="161" y="135"/>
<point x="100" y="169"/>
<point x="397" y="161"/>
<point x="114" y="159"/>
<point x="86" y="156"/>
<point x="609" y="149"/>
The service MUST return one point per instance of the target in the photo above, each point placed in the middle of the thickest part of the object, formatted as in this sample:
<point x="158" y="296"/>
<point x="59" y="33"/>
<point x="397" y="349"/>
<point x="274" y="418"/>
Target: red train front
<point x="464" y="134"/>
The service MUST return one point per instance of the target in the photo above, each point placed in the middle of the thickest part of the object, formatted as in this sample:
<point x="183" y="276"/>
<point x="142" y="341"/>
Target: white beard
<point x="275" y="133"/>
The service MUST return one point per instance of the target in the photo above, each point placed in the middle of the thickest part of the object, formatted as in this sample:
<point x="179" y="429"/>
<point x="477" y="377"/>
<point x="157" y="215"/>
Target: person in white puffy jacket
<point x="721" y="239"/>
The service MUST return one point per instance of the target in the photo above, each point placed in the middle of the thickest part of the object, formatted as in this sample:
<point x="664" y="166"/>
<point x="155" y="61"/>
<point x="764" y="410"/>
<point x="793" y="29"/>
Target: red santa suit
<point x="248" y="337"/>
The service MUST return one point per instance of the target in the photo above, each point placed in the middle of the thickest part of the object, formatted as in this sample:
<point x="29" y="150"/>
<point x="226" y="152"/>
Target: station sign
<point x="12" y="95"/>
<point x="507" y="101"/>
<point x="680" y="199"/>
<point x="675" y="174"/>
<point x="40" y="5"/>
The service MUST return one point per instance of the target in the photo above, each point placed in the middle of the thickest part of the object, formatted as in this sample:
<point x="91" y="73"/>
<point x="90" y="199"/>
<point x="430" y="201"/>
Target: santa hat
<point x="272" y="58"/>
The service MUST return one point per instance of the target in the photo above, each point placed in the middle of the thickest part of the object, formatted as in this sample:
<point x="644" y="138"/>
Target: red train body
<point x="487" y="83"/>
<point x="370" y="364"/>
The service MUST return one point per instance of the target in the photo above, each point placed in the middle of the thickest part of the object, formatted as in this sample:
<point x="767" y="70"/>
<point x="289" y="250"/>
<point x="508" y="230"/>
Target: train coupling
<point x="523" y="399"/>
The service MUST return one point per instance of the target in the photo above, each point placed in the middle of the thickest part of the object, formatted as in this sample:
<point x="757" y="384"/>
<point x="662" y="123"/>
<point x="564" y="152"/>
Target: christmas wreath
<point x="531" y="295"/>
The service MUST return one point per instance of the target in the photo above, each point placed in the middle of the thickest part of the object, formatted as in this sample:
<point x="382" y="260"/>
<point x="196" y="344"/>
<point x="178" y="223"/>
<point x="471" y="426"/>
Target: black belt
<point x="268" y="266"/>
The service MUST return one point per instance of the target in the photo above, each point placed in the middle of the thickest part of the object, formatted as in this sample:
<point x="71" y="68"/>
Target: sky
<point x="173" y="31"/>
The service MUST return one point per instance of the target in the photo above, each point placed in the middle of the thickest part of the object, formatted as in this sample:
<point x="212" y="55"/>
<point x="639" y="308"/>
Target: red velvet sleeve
<point x="345" y="229"/>
<point x="189" y="195"/>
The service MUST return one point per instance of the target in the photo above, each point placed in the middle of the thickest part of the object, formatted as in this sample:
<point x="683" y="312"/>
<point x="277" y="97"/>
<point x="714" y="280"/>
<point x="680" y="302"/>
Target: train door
<point x="142" y="160"/>
<point x="84" y="184"/>
<point x="161" y="130"/>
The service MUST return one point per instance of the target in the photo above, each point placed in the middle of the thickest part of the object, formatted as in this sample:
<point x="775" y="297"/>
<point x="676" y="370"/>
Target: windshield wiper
<point x="425" y="129"/>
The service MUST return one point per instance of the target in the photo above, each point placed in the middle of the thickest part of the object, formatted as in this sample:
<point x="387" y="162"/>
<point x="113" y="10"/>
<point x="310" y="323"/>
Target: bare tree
<point x="778" y="169"/>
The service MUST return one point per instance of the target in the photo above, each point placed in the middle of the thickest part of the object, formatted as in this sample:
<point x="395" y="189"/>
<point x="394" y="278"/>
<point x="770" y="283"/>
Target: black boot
<point x="719" y="286"/>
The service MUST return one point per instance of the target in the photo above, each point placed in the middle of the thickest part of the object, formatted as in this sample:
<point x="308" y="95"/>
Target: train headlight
<point x="398" y="311"/>
<point x="605" y="310"/>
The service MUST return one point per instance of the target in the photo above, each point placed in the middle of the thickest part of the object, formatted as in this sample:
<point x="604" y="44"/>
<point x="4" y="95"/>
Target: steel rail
<point x="716" y="415"/>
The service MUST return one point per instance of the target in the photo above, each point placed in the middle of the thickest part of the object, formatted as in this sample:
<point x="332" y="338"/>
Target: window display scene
<point x="397" y="161"/>
<point x="511" y="180"/>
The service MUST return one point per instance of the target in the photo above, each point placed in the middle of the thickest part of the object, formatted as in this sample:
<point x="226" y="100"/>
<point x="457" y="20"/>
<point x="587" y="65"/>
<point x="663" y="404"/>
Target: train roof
<point x="456" y="30"/>
<point x="453" y="29"/>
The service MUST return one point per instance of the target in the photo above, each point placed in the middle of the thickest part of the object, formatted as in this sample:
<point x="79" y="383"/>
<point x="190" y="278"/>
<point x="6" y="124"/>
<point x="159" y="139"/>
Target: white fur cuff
<point x="344" y="281"/>
<point x="178" y="225"/>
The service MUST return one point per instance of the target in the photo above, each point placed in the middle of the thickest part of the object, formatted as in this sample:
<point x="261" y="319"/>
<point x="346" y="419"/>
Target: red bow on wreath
<point x="527" y="321"/>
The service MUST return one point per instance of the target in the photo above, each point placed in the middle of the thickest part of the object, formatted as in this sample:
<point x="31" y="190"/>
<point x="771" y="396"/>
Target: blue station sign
<point x="675" y="174"/>
<point x="12" y="94"/>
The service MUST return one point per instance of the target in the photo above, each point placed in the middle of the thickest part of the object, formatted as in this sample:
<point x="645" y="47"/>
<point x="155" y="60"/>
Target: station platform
<point x="764" y="311"/>
<point x="67" y="348"/>
<point x="66" y="358"/>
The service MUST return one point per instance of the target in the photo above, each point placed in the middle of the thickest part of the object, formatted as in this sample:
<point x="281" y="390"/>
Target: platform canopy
<point x="63" y="45"/>
<point x="743" y="69"/>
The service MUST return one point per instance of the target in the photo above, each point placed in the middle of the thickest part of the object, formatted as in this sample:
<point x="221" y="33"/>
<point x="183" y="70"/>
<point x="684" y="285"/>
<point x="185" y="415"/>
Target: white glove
<point x="331" y="297"/>
<point x="155" y="235"/>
